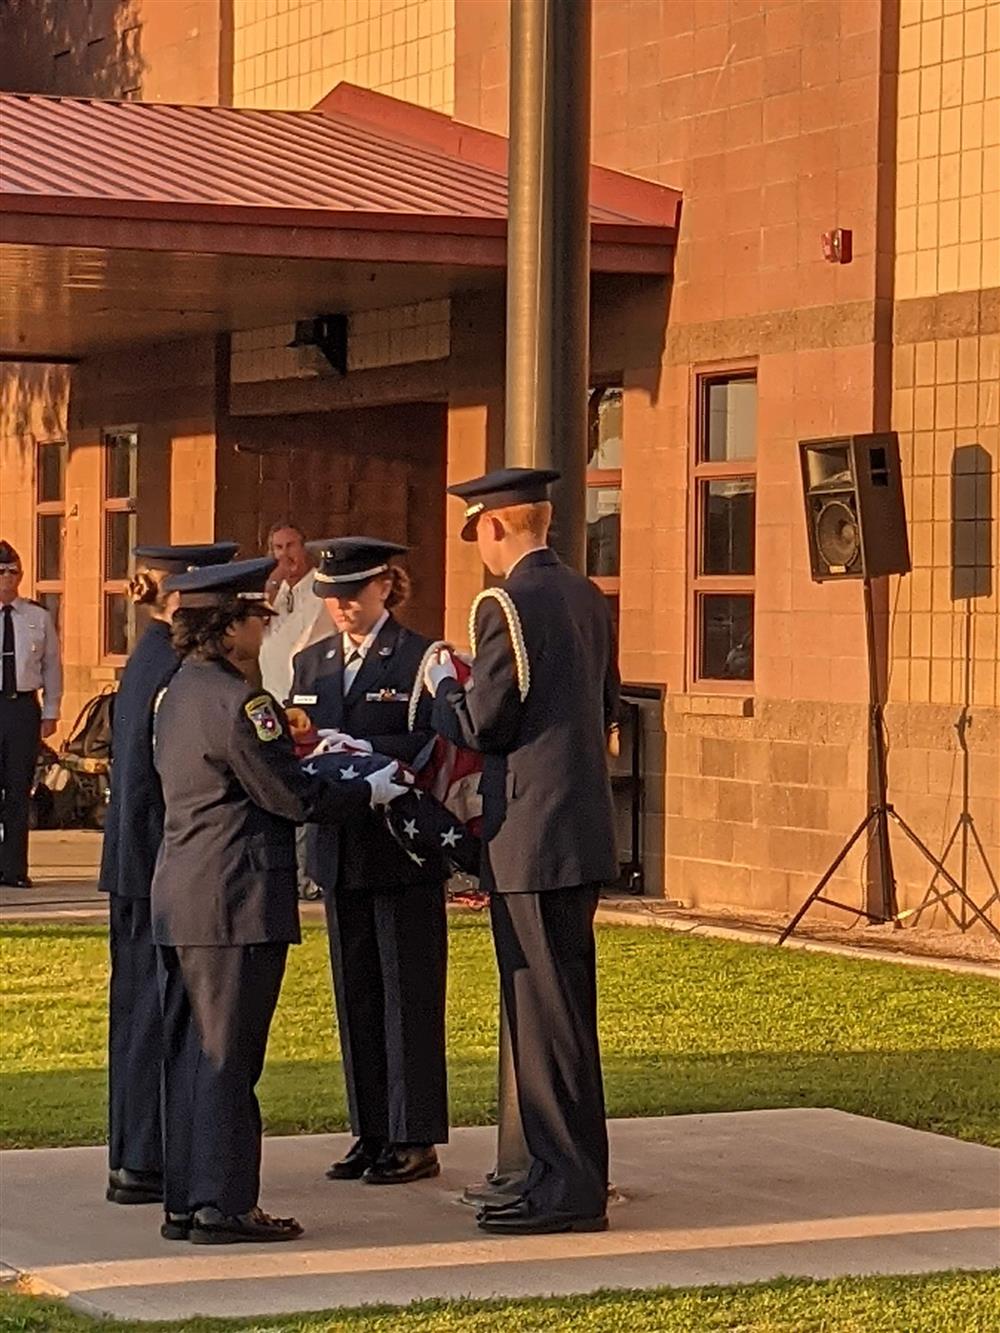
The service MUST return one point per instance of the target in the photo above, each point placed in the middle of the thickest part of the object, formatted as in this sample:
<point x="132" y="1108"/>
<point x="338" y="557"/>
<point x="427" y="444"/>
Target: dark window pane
<point x="119" y="540"/>
<point x="51" y="472"/>
<point x="116" y="624"/>
<point x="727" y="526"/>
<point x="50" y="540"/>
<point x="730" y="420"/>
<point x="605" y="429"/>
<point x="118" y="473"/>
<point x="604" y="530"/>
<point x="52" y="601"/>
<point x="726" y="623"/>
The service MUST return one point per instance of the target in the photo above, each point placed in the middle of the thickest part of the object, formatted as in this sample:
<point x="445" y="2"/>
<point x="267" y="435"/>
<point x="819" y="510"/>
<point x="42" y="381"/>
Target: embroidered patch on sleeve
<point x="260" y="710"/>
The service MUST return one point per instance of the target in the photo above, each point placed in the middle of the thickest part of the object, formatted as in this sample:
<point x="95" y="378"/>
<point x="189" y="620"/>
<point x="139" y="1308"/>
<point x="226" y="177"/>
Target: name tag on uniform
<point x="387" y="697"/>
<point x="304" y="698"/>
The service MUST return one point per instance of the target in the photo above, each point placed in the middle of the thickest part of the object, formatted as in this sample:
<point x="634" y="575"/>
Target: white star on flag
<point x="450" y="839"/>
<point x="414" y="857"/>
<point x="310" y="769"/>
<point x="349" y="772"/>
<point x="410" y="828"/>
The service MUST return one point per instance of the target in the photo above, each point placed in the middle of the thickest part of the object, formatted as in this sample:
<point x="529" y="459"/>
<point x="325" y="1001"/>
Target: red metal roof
<point x="131" y="220"/>
<point x="75" y="149"/>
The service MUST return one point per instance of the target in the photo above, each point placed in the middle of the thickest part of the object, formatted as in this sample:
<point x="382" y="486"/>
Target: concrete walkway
<point x="738" y="1197"/>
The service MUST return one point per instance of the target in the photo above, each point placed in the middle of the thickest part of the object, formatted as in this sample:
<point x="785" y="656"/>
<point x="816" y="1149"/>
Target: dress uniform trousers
<point x="546" y="957"/>
<point x="20" y="734"/>
<point x="218" y="1002"/>
<point x="135" y="1040"/>
<point x="392" y="1017"/>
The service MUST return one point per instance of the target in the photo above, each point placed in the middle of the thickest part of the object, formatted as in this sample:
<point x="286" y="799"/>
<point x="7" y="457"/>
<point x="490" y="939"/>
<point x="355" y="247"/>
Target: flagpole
<point x="548" y="346"/>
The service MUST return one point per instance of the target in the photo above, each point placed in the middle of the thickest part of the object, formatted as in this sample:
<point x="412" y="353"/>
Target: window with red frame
<point x="50" y="526"/>
<point x="121" y="457"/>
<point x="604" y="490"/>
<point x="725" y="494"/>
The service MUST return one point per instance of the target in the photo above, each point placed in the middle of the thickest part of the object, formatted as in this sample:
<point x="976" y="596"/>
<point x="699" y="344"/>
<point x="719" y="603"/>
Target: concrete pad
<point x="727" y="1198"/>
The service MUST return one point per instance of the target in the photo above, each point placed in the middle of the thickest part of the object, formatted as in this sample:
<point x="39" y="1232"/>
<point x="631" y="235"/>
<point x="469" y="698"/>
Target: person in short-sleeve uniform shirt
<point x="30" y="697"/>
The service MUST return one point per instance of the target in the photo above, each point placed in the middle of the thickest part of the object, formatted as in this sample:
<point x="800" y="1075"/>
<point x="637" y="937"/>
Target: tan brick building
<point x="777" y="120"/>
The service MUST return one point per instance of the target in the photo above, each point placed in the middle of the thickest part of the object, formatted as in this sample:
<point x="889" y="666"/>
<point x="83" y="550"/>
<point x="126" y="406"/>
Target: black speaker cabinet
<point x="855" y="520"/>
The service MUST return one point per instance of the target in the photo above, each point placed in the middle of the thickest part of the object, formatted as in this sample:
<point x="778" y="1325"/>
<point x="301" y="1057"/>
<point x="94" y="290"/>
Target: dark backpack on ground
<point x="88" y="747"/>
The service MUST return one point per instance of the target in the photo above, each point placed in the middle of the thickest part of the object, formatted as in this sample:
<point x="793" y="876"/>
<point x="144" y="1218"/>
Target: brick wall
<point x="778" y="122"/>
<point x="377" y="471"/>
<point x="290" y="53"/>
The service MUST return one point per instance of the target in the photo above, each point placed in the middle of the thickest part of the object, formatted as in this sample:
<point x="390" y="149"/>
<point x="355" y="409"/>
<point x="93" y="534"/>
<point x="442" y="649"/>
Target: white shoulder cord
<point x="156" y="708"/>
<point x="418" y="683"/>
<point x="522" y="666"/>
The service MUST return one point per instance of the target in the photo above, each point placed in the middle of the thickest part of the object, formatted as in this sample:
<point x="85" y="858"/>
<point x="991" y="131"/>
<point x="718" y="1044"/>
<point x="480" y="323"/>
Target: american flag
<point x="418" y="820"/>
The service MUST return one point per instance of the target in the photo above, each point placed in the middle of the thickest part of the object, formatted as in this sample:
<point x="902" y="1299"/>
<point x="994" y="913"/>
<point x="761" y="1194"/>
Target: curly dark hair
<point x="399" y="592"/>
<point x="202" y="629"/>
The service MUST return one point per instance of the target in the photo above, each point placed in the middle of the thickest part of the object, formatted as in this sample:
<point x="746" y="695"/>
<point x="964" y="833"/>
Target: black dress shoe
<point x="176" y="1226"/>
<point x="402" y="1163"/>
<point x="21" y="883"/>
<point x="363" y="1154"/>
<point x="211" y="1227"/>
<point x="525" y="1219"/>
<point x="126" y="1186"/>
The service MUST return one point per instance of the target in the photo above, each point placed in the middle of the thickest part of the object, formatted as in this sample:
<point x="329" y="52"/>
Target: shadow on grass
<point x="954" y="1092"/>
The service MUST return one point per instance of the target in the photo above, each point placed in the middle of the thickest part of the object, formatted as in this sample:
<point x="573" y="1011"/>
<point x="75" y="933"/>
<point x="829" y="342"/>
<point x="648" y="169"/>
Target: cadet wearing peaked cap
<point x="133" y="830"/>
<point x="29" y="668"/>
<point x="224" y="898"/>
<point x="543" y="692"/>
<point x="385" y="907"/>
<point x="501" y="489"/>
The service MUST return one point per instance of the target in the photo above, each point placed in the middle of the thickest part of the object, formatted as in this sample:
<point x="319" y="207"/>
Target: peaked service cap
<point x="500" y="489"/>
<point x="184" y="558"/>
<point x="212" y="584"/>
<point x="346" y="564"/>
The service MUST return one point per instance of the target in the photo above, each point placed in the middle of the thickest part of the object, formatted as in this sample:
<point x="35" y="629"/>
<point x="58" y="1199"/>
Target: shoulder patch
<point x="503" y="598"/>
<point x="261" y="712"/>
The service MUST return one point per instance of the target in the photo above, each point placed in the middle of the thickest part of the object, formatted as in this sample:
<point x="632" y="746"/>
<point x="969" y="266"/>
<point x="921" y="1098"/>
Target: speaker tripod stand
<point x="876" y="824"/>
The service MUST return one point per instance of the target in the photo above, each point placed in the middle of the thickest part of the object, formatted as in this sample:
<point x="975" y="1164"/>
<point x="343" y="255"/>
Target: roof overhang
<point x="95" y="254"/>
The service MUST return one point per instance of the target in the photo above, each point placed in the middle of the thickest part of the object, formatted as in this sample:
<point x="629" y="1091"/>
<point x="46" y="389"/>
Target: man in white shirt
<point x="29" y="667"/>
<point x="302" y="617"/>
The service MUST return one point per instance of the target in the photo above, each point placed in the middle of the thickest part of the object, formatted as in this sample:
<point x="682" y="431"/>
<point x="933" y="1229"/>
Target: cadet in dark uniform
<point x="385" y="907"/>
<point x="224" y="898"/>
<point x="544" y="691"/>
<point x="132" y="833"/>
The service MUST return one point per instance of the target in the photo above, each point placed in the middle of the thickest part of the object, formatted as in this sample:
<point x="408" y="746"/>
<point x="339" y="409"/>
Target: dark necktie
<point x="8" y="680"/>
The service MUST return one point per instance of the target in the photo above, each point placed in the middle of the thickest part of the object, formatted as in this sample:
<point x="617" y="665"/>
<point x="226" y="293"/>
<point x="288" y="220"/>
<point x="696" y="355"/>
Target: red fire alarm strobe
<point x="837" y="246"/>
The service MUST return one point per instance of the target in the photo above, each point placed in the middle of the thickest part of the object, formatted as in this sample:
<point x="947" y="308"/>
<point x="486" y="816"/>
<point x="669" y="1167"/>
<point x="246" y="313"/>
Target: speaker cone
<point x="837" y="537"/>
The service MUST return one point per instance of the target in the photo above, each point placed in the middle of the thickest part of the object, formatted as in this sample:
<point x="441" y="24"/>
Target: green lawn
<point x="942" y="1303"/>
<point x="687" y="1025"/>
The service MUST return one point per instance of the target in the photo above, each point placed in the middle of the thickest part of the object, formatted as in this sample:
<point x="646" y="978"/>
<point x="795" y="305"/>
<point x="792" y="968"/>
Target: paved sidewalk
<point x="739" y="1197"/>
<point x="64" y="866"/>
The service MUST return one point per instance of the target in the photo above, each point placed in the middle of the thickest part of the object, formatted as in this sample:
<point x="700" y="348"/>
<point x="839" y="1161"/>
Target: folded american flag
<point x="418" y="821"/>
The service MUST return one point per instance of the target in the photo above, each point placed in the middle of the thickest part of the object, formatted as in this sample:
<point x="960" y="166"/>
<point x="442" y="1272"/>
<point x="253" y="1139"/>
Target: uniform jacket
<point x="233" y="792"/>
<point x="547" y="814"/>
<point x="133" y="829"/>
<point x="366" y="856"/>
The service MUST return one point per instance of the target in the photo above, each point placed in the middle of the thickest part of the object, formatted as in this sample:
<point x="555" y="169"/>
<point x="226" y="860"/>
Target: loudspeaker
<point x="855" y="519"/>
